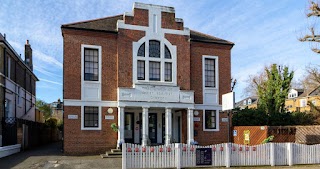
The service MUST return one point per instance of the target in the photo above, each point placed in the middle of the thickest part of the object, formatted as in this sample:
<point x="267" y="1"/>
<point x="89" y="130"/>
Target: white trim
<point x="72" y="102"/>
<point x="209" y="90"/>
<point x="217" y="120"/>
<point x="208" y="107"/>
<point x="156" y="104"/>
<point x="139" y="5"/>
<point x="90" y="84"/>
<point x="90" y="128"/>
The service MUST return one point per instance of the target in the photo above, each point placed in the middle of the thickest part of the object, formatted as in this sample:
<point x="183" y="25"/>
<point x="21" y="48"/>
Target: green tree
<point x="273" y="90"/>
<point x="249" y="117"/>
<point x="44" y="107"/>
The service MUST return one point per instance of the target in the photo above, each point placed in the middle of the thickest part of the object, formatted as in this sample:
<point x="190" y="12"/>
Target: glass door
<point x="128" y="128"/>
<point x="153" y="127"/>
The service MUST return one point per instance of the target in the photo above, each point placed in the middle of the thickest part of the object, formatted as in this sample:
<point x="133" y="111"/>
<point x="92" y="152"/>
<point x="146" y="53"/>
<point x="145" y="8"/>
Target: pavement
<point x="51" y="157"/>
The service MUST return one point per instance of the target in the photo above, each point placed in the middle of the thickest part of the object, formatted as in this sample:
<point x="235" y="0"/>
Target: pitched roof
<point x="109" y="24"/>
<point x="198" y="36"/>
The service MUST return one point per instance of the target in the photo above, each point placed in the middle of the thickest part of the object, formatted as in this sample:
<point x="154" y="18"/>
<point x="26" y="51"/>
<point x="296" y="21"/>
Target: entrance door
<point x="128" y="128"/>
<point x="152" y="127"/>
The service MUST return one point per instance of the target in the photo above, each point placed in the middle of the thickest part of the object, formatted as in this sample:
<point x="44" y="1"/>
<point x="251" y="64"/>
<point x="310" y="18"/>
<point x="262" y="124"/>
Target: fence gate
<point x="9" y="131"/>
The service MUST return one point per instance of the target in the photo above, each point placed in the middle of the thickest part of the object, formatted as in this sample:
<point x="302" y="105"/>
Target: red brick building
<point x="157" y="80"/>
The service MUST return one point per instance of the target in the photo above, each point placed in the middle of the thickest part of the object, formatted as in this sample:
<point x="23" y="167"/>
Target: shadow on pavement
<point x="53" y="149"/>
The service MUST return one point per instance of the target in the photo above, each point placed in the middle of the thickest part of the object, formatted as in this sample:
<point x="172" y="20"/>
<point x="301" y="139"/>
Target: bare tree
<point x="312" y="78"/>
<point x="313" y="11"/>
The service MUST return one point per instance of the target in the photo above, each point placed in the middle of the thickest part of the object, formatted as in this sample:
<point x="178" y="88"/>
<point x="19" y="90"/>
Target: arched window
<point x="158" y="63"/>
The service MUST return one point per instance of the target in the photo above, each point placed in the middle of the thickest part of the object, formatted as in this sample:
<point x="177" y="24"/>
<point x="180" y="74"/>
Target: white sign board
<point x="224" y="119"/>
<point x="196" y="118"/>
<point x="228" y="101"/>
<point x="154" y="93"/>
<point x="71" y="116"/>
<point x="109" y="117"/>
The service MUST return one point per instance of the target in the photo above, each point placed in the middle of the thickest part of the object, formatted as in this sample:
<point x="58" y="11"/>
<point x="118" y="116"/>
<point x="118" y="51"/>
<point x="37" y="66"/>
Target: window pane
<point x="154" y="49"/>
<point x="141" y="69"/>
<point x="154" y="71"/>
<point x="167" y="53"/>
<point x="168" y="72"/>
<point x="91" y="116"/>
<point x="141" y="51"/>
<point x="210" y="119"/>
<point x="91" y="65"/>
<point x="210" y="73"/>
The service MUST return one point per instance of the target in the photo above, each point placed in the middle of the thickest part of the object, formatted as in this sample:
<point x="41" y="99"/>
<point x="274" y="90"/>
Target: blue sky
<point x="264" y="32"/>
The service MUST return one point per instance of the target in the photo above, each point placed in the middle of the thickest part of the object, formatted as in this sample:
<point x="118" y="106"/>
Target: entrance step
<point x="114" y="153"/>
<point x="115" y="150"/>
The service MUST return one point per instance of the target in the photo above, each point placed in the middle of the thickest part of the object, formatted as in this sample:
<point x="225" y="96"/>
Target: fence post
<point x="272" y="155"/>
<point x="178" y="155"/>
<point x="290" y="154"/>
<point x="124" y="155"/>
<point x="227" y="145"/>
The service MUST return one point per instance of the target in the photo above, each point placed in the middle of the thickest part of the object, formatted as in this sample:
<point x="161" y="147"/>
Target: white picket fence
<point x="227" y="154"/>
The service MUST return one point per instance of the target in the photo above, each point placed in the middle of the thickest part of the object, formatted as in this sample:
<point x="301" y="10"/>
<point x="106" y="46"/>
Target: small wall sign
<point x="196" y="119"/>
<point x="224" y="119"/>
<point x="109" y="117"/>
<point x="235" y="133"/>
<point x="72" y="116"/>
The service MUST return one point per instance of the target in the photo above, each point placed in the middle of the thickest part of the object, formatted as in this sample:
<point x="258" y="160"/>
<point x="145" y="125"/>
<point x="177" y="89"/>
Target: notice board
<point x="203" y="156"/>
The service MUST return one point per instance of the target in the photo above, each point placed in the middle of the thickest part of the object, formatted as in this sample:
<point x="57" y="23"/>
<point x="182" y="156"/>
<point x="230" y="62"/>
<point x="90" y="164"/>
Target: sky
<point x="264" y="32"/>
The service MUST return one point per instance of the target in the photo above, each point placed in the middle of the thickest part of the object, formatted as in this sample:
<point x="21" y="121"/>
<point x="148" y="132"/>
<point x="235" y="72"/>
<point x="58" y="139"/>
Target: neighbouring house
<point x="57" y="110"/>
<point x="249" y="102"/>
<point x="300" y="100"/>
<point x="17" y="90"/>
<point x="39" y="116"/>
<point x="158" y="81"/>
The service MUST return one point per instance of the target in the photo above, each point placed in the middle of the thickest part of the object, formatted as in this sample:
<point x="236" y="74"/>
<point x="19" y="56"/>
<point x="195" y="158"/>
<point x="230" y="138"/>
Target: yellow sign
<point x="246" y="134"/>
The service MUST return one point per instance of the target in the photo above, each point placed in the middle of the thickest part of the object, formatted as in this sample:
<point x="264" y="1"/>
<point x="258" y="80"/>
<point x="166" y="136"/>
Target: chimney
<point x="28" y="55"/>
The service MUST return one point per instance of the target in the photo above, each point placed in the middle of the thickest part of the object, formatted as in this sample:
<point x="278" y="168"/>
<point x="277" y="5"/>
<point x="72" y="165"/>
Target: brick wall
<point x="125" y="39"/>
<point x="224" y="54"/>
<point x="77" y="141"/>
<point x="72" y="61"/>
<point x="211" y="137"/>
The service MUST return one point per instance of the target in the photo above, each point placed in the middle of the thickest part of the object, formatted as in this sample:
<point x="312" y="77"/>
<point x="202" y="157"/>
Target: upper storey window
<point x="91" y="64"/>
<point x="155" y="65"/>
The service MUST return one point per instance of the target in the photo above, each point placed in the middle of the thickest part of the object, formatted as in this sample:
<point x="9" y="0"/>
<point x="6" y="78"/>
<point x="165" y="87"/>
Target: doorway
<point x="128" y="128"/>
<point x="152" y="127"/>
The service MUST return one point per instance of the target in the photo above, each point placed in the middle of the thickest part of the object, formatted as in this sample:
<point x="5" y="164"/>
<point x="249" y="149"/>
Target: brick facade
<point x="117" y="72"/>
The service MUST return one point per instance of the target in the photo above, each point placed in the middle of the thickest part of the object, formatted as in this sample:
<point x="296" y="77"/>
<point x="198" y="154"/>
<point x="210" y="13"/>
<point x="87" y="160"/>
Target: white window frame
<point x="163" y="42"/>
<point x="90" y="84"/>
<point x="249" y="101"/>
<point x="99" y="119"/>
<point x="210" y="90"/>
<point x="204" y="120"/>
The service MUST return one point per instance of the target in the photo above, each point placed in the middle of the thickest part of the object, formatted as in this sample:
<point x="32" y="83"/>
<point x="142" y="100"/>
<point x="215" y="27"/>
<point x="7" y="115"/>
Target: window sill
<point x="90" y="128"/>
<point x="155" y="83"/>
<point x="211" y="130"/>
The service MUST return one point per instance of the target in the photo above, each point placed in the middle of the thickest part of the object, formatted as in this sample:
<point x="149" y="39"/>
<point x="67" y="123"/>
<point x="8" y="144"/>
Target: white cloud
<point x="49" y="81"/>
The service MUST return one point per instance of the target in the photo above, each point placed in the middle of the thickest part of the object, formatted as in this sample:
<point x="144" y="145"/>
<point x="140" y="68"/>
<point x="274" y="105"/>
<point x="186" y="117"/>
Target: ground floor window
<point x="210" y="119"/>
<point x="91" y="116"/>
